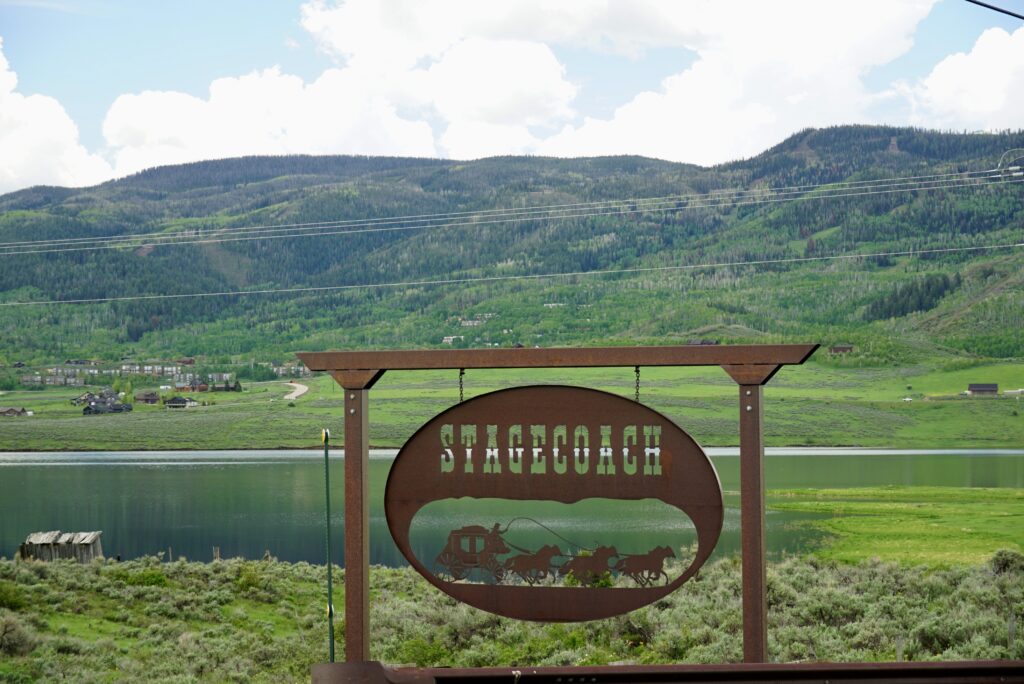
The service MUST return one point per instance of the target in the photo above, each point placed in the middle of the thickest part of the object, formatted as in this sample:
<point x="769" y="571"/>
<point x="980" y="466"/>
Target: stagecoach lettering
<point x="581" y="436"/>
<point x="559" y="436"/>
<point x="628" y="459"/>
<point x="540" y="459"/>
<point x="491" y="464"/>
<point x="604" y="458"/>
<point x="447" y="455"/>
<point x="515" y="448"/>
<point x="468" y="440"/>
<point x="511" y="441"/>
<point x="652" y="450"/>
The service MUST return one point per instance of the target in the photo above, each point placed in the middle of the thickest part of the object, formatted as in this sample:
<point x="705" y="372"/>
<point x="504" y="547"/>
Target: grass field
<point x="912" y="525"/>
<point x="806" y="405"/>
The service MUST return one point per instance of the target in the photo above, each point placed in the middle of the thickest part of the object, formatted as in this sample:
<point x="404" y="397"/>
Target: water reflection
<point x="250" y="502"/>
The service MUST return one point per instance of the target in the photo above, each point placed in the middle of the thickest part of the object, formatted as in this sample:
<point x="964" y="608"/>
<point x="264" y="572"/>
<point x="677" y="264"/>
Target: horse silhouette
<point x="588" y="570"/>
<point x="646" y="568"/>
<point x="533" y="567"/>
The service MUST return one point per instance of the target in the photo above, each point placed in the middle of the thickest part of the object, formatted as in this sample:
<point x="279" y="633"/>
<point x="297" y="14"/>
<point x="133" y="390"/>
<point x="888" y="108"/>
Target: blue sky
<point x="94" y="89"/>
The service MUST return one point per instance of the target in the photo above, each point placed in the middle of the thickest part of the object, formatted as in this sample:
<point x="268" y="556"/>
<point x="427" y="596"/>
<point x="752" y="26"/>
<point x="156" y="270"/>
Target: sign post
<point x="751" y="366"/>
<point x="357" y="385"/>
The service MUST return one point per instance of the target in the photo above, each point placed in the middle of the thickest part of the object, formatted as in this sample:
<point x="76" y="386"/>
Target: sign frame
<point x="750" y="366"/>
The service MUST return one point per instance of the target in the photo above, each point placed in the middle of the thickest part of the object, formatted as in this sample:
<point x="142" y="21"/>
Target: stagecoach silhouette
<point x="472" y="552"/>
<point x="470" y="548"/>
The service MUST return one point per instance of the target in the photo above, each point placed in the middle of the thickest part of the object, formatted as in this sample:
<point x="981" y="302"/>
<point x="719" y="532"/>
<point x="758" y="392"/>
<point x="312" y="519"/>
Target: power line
<point x="710" y="195"/>
<point x="635" y="207"/>
<point x="713" y="198"/>
<point x="534" y="276"/>
<point x="996" y="9"/>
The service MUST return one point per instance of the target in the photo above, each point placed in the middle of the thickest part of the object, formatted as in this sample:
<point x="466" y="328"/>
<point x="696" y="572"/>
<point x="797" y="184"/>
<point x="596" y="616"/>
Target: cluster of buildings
<point x="179" y="375"/>
<point x="290" y="370"/>
<point x="106" y="401"/>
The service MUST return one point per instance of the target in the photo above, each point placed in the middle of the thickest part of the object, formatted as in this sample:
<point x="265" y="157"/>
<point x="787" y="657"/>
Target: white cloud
<point x="39" y="141"/>
<point x="264" y="112"/>
<point x="982" y="89"/>
<point x="500" y="82"/>
<point x="760" y="76"/>
<point x="465" y="79"/>
<point x="764" y="70"/>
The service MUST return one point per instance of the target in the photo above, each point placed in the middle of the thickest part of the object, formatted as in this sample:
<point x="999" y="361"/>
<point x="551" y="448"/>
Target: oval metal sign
<point x="556" y="444"/>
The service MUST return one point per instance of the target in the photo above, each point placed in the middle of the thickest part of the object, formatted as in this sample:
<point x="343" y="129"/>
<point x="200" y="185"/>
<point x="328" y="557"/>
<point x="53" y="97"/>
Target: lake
<point x="247" y="502"/>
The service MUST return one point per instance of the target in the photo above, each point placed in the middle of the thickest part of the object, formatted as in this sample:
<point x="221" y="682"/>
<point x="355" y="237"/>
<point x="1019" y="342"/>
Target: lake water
<point x="246" y="502"/>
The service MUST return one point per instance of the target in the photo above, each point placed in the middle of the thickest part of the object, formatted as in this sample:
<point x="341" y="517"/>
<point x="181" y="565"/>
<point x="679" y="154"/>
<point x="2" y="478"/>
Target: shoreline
<point x="800" y="450"/>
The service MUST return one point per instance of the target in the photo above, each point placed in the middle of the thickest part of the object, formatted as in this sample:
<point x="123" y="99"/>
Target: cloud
<point x="763" y="70"/>
<point x="466" y="79"/>
<point x="407" y="82"/>
<point x="265" y="112"/>
<point x="982" y="89"/>
<point x="779" y="69"/>
<point x="39" y="141"/>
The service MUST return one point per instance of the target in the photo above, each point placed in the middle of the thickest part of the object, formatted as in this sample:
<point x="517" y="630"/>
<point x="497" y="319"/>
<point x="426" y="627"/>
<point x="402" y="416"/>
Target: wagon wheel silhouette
<point x="449" y="567"/>
<point x="496" y="569"/>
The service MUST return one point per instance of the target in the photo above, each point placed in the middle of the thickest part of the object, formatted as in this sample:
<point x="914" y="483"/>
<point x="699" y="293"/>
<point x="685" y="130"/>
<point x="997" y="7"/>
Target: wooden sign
<point x="562" y="444"/>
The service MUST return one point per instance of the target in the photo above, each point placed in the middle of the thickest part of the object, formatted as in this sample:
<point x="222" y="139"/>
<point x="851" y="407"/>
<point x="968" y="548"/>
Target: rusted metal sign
<point x="561" y="444"/>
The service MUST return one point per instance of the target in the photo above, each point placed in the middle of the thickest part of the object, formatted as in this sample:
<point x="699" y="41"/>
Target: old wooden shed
<point x="54" y="545"/>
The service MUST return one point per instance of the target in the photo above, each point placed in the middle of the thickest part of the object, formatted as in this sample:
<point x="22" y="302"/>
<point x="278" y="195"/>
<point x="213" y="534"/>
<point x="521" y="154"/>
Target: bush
<point x="11" y="597"/>
<point x="15" y="638"/>
<point x="148" y="577"/>
<point x="1007" y="561"/>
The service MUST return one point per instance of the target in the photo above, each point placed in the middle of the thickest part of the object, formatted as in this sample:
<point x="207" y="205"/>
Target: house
<point x="840" y="349"/>
<point x="983" y="389"/>
<point x="219" y="377"/>
<point x="450" y="339"/>
<point x="180" y="402"/>
<point x="83" y="399"/>
<point x="106" y="401"/>
<point x="48" y="546"/>
<point x="188" y="361"/>
<point x="227" y="387"/>
<point x="99" y="407"/>
<point x="31" y="379"/>
<point x="147" y="397"/>
<point x="11" y="412"/>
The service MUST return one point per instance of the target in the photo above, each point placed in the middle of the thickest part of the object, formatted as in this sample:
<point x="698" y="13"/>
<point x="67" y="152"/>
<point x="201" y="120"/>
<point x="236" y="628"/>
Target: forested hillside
<point x="892" y="308"/>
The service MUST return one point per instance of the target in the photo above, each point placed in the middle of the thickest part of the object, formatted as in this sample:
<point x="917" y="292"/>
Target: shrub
<point x="151" y="577"/>
<point x="1007" y="561"/>
<point x="11" y="596"/>
<point x="15" y="638"/>
<point x="255" y="583"/>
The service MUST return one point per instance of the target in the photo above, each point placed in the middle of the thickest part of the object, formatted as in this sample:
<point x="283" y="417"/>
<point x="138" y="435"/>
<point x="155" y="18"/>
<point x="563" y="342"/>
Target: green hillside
<point x="894" y="309"/>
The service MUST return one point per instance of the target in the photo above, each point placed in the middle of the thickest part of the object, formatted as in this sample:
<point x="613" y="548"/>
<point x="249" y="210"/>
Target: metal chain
<point x="462" y="372"/>
<point x="636" y="396"/>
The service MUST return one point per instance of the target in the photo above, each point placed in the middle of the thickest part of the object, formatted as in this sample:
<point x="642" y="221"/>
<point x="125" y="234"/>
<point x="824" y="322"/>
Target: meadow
<point x="264" y="621"/>
<point x="817" y="404"/>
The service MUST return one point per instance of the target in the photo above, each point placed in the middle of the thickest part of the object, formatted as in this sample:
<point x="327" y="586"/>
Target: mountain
<point x="892" y="308"/>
